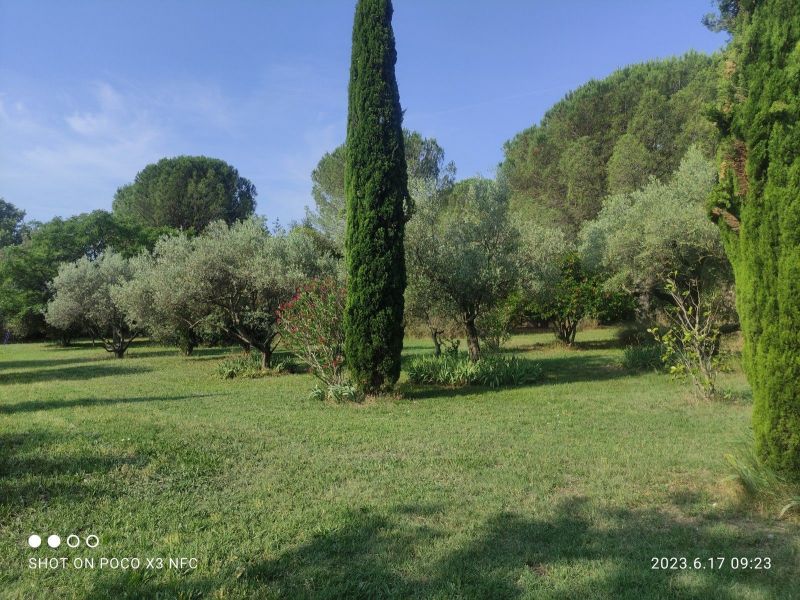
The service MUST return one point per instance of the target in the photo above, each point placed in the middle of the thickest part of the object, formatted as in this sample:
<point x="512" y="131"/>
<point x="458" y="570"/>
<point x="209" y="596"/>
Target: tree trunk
<point x="472" y="339"/>
<point x="437" y="343"/>
<point x="266" y="357"/>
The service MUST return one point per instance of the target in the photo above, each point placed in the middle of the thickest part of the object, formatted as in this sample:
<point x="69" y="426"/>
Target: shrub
<point x="643" y="357"/>
<point x="691" y="342"/>
<point x="457" y="370"/>
<point x="311" y="326"/>
<point x="336" y="393"/>
<point x="242" y="365"/>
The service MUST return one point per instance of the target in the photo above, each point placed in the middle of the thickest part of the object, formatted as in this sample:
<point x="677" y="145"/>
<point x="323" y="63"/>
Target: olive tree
<point x="463" y="247"/>
<point x="160" y="296"/>
<point x="238" y="275"/>
<point x="83" y="296"/>
<point x="642" y="237"/>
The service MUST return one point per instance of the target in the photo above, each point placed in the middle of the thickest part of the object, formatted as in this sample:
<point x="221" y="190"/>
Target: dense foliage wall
<point x="611" y="136"/>
<point x="757" y="204"/>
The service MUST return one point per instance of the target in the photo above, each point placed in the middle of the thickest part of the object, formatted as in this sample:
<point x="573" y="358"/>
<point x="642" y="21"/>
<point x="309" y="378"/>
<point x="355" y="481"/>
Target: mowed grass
<point x="564" y="489"/>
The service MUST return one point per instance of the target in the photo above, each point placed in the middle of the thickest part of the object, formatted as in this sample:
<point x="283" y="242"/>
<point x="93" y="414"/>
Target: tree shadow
<point x="607" y="344"/>
<point x="37" y="405"/>
<point x="579" y="367"/>
<point x="415" y="391"/>
<point x="49" y="362"/>
<point x="577" y="551"/>
<point x="32" y="471"/>
<point x="89" y="371"/>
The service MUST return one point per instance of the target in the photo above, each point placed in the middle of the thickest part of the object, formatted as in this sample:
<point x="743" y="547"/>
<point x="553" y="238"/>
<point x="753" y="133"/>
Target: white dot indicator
<point x="34" y="541"/>
<point x="54" y="541"/>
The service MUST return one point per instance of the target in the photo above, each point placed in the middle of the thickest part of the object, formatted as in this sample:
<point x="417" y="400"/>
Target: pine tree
<point x="757" y="204"/>
<point x="376" y="189"/>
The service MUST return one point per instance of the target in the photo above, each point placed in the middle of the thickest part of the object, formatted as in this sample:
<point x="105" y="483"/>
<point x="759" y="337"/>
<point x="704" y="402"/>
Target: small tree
<point x="83" y="297"/>
<point x="312" y="328"/>
<point x="239" y="275"/>
<point x="567" y="298"/>
<point x="691" y="343"/>
<point x="161" y="298"/>
<point x="462" y="246"/>
<point x="558" y="287"/>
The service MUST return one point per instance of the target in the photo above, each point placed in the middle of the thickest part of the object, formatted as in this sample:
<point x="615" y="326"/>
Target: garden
<point x="577" y="378"/>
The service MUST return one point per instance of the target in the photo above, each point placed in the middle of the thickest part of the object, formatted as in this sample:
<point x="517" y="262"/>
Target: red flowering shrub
<point x="311" y="326"/>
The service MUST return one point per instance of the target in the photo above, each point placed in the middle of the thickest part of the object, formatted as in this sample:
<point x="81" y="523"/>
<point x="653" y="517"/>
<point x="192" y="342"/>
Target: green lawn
<point x="565" y="489"/>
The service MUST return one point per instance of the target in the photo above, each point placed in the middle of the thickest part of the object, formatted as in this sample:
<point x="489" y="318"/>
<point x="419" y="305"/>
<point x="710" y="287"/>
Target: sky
<point x="91" y="91"/>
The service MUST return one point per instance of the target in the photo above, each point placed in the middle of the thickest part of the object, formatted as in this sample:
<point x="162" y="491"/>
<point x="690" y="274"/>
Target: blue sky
<point x="92" y="91"/>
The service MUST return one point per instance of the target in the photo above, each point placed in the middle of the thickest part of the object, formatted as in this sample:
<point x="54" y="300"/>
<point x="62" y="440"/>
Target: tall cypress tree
<point x="376" y="189"/>
<point x="758" y="205"/>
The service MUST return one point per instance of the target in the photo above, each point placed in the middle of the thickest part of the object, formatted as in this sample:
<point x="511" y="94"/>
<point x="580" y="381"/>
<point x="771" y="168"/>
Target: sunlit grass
<point x="562" y="489"/>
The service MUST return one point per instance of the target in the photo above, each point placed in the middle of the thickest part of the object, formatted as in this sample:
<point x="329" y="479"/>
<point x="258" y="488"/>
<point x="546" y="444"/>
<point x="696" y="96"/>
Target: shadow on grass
<point x="88" y="371"/>
<point x="86" y="402"/>
<point x="31" y="471"/>
<point x="7" y="365"/>
<point x="578" y="551"/>
<point x="578" y="367"/>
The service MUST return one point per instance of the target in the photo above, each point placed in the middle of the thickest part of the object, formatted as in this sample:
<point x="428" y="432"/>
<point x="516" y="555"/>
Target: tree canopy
<point x="10" y="223"/>
<point x="27" y="268"/>
<point x="187" y="193"/>
<point x="463" y="247"/>
<point x="425" y="163"/>
<point x="610" y="136"/>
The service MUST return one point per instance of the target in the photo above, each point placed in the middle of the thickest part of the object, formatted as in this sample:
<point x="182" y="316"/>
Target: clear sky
<point x="92" y="91"/>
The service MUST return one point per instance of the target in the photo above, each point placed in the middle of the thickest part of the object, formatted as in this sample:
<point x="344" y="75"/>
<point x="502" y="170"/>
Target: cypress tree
<point x="376" y="189"/>
<point x="757" y="204"/>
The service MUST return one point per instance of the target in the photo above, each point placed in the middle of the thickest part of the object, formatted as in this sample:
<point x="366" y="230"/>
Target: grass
<point x="563" y="489"/>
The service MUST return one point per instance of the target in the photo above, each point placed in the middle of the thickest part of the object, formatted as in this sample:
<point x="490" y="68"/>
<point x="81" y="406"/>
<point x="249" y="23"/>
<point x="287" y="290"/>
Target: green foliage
<point x="186" y="193"/>
<point x="640" y="238"/>
<point x="376" y="188"/>
<point x="311" y="327"/>
<point x="463" y="247"/>
<point x="161" y="298"/>
<point x="763" y="484"/>
<point x="27" y="268"/>
<point x="246" y="364"/>
<point x="83" y="297"/>
<point x="425" y="165"/>
<point x="337" y="392"/>
<point x="608" y="136"/>
<point x="458" y="370"/>
<point x="558" y="288"/>
<point x="238" y="275"/>
<point x="691" y="343"/>
<point x="757" y="204"/>
<point x="10" y="223"/>
<point x="643" y="357"/>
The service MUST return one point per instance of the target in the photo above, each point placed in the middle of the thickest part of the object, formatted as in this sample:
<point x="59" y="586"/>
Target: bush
<point x="336" y="393"/>
<point x="643" y="357"/>
<point x="691" y="342"/>
<point x="311" y="326"/>
<point x="457" y="370"/>
<point x="243" y="365"/>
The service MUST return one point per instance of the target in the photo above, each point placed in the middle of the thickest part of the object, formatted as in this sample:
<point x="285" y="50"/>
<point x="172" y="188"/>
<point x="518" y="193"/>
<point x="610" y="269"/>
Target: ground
<point x="564" y="489"/>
